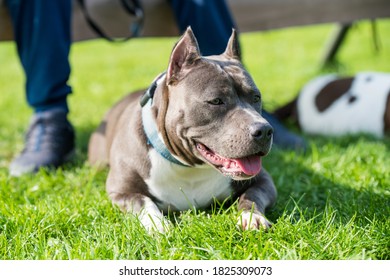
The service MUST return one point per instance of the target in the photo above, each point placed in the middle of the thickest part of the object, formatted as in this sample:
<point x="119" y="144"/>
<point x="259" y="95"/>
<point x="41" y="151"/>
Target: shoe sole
<point x="17" y="171"/>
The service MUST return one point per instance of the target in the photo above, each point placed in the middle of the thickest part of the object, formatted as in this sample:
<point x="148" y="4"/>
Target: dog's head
<point x="216" y="116"/>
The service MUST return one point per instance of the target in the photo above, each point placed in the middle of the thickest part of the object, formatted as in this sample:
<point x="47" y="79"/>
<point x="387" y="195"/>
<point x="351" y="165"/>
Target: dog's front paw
<point x="152" y="218"/>
<point x="250" y="221"/>
<point x="153" y="223"/>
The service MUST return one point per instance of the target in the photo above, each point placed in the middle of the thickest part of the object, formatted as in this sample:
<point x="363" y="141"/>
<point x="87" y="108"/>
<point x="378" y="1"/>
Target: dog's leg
<point x="151" y="217"/>
<point x="128" y="195"/>
<point x="255" y="200"/>
<point x="97" y="147"/>
<point x="143" y="208"/>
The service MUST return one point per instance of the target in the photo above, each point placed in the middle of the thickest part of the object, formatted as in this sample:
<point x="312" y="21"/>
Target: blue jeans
<point x="210" y="20"/>
<point x="43" y="36"/>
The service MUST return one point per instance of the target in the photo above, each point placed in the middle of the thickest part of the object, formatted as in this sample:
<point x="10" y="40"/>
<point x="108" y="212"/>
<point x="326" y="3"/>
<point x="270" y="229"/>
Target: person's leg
<point x="42" y="35"/>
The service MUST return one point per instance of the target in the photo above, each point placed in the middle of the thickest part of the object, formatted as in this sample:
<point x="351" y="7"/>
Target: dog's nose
<point x="261" y="131"/>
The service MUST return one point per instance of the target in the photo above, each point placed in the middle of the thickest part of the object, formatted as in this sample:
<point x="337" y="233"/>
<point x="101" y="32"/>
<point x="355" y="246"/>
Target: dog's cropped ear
<point x="185" y="53"/>
<point x="233" y="47"/>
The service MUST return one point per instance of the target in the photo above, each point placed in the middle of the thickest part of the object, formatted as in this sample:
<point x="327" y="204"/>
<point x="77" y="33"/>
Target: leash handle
<point x="135" y="9"/>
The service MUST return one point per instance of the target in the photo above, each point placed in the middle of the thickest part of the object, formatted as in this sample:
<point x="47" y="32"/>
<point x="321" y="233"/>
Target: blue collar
<point x="149" y="124"/>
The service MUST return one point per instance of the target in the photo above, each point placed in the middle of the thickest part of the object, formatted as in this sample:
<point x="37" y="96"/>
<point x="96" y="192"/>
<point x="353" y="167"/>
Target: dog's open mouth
<point x="245" y="167"/>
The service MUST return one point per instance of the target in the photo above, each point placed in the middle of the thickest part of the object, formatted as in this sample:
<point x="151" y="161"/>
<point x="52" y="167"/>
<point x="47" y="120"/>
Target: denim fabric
<point x="210" y="21"/>
<point x="42" y="30"/>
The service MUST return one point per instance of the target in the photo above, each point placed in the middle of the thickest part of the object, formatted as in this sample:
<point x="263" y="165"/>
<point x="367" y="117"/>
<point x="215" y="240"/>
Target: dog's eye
<point x="256" y="98"/>
<point x="216" y="101"/>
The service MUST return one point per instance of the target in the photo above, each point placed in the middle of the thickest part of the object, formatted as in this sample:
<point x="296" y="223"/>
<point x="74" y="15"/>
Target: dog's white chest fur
<point x="366" y="114"/>
<point x="181" y="188"/>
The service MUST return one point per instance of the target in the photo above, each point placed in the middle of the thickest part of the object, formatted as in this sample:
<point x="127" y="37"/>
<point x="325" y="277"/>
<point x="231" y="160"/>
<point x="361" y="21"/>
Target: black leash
<point x="132" y="7"/>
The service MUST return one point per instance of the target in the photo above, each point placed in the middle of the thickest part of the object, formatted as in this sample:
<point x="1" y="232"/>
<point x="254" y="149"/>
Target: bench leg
<point x="334" y="43"/>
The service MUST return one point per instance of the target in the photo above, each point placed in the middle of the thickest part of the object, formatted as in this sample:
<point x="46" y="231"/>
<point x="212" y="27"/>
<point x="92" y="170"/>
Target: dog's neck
<point x="149" y="122"/>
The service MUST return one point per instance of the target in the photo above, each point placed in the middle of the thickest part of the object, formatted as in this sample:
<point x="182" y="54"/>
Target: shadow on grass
<point x="299" y="184"/>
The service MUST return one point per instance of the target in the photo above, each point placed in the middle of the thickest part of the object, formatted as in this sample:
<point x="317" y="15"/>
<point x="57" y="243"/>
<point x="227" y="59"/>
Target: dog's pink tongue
<point x="249" y="165"/>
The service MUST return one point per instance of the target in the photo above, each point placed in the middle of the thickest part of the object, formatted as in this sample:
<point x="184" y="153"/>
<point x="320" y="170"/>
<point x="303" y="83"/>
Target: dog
<point x="334" y="106"/>
<point x="195" y="136"/>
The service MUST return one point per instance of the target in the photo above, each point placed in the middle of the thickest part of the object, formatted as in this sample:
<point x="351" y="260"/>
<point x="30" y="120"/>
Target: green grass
<point x="334" y="201"/>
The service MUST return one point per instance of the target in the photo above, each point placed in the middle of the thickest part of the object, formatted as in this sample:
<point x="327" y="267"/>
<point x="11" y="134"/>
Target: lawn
<point x="333" y="203"/>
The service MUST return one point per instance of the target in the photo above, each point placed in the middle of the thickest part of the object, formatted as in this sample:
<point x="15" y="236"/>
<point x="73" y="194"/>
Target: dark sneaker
<point x="283" y="138"/>
<point x="49" y="143"/>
